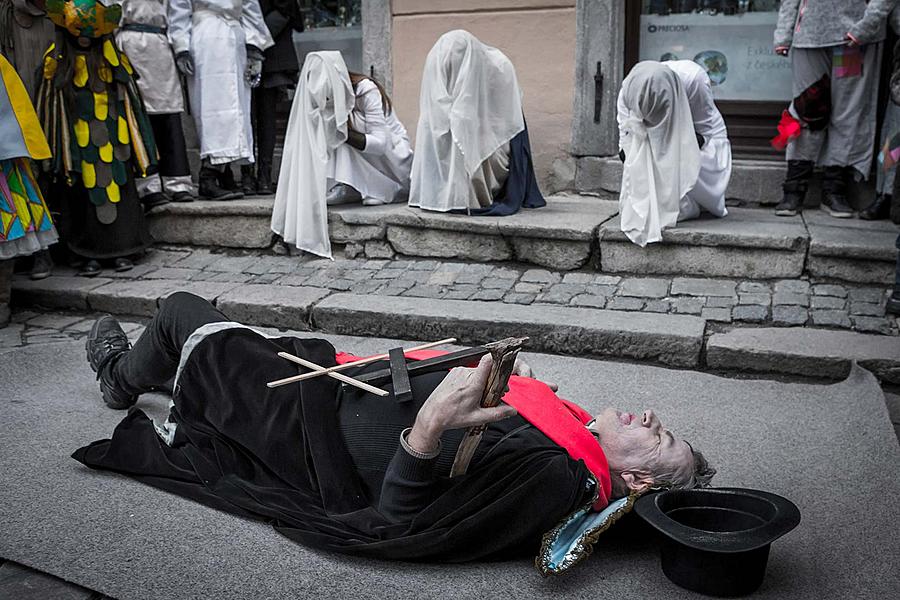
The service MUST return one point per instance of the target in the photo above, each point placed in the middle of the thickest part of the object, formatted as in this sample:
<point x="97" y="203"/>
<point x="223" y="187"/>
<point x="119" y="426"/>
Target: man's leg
<point x="124" y="374"/>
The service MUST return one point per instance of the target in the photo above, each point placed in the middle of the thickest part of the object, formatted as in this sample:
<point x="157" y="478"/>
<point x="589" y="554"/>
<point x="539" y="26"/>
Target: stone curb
<point x="271" y="305"/>
<point x="55" y="292"/>
<point x="673" y="340"/>
<point x="799" y="351"/>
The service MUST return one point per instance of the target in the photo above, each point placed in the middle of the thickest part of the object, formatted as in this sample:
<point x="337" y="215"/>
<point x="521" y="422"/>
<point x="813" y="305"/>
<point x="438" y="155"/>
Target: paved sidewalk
<point x="784" y="302"/>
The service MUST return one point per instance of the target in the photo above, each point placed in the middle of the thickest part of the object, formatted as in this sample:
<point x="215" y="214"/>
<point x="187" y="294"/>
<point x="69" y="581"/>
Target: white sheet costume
<point x="215" y="32"/>
<point x="470" y="107"/>
<point x="380" y="172"/>
<point x="667" y="177"/>
<point x="316" y="128"/>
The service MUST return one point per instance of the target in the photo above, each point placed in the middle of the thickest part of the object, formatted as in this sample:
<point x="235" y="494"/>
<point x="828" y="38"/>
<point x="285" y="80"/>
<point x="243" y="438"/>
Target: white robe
<point x="381" y="170"/>
<point x="470" y="106"/>
<point x="667" y="178"/>
<point x="316" y="127"/>
<point x="216" y="33"/>
<point x="151" y="56"/>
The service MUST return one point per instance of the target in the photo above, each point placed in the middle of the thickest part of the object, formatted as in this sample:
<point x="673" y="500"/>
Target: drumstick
<point x="357" y="363"/>
<point x="320" y="369"/>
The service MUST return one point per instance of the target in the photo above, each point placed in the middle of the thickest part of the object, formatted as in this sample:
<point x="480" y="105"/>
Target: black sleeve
<point x="700" y="140"/>
<point x="356" y="139"/>
<point x="408" y="486"/>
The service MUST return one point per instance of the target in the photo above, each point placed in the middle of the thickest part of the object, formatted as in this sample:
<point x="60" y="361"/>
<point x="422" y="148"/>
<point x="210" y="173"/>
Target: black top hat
<point x="716" y="541"/>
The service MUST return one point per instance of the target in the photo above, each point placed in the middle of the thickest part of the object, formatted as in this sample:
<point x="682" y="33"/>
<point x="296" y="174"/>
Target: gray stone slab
<point x="801" y="351"/>
<point x="55" y="292"/>
<point x="851" y="249"/>
<point x="441" y="243"/>
<point x="693" y="286"/>
<point x="234" y="224"/>
<point x="868" y="309"/>
<point x="756" y="181"/>
<point x="644" y="287"/>
<point x="669" y="339"/>
<point x="748" y="243"/>
<point x="271" y="305"/>
<point x="21" y="583"/>
<point x="55" y="321"/>
<point x="751" y="313"/>
<point x="141" y="298"/>
<point x="129" y="540"/>
<point x="563" y="255"/>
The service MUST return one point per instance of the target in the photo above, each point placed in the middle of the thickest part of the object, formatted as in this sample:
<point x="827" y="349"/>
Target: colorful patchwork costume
<point x="95" y="121"/>
<point x="25" y="223"/>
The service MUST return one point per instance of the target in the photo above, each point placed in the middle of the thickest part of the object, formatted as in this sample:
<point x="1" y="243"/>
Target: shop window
<point x="732" y="40"/>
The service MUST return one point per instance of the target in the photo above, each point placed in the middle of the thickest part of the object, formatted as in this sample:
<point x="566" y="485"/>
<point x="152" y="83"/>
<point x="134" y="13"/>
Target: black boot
<point x="264" y="179"/>
<point x="248" y="181"/>
<point x="878" y="210"/>
<point x="105" y="344"/>
<point x="796" y="182"/>
<point x="834" y="193"/>
<point x="43" y="265"/>
<point x="209" y="186"/>
<point x="227" y="182"/>
<point x="154" y="199"/>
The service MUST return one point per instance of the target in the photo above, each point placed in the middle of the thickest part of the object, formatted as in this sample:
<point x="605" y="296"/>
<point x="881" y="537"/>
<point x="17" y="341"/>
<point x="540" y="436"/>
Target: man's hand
<point x="782" y="50"/>
<point x="454" y="404"/>
<point x="255" y="59"/>
<point x="184" y="62"/>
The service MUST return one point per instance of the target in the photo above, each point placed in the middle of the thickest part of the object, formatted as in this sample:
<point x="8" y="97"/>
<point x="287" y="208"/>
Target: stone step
<point x="748" y="243"/>
<point x="673" y="340"/>
<point x="676" y="340"/>
<point x="572" y="232"/>
<point x="815" y="353"/>
<point x="753" y="181"/>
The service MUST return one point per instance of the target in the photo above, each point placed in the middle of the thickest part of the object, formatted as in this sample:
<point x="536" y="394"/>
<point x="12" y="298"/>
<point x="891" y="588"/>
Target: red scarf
<point x="560" y="420"/>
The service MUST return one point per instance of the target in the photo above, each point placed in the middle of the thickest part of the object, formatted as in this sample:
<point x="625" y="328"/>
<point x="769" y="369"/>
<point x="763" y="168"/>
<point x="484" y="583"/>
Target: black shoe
<point x="210" y="189"/>
<point x="106" y="343"/>
<point x="91" y="268"/>
<point x="834" y="193"/>
<point x="183" y="197"/>
<point x="893" y="303"/>
<point x="790" y="206"/>
<point x="227" y="182"/>
<point x="248" y="181"/>
<point x="151" y="201"/>
<point x="264" y="179"/>
<point x="122" y="264"/>
<point x="43" y="265"/>
<point x="878" y="210"/>
<point x="795" y="184"/>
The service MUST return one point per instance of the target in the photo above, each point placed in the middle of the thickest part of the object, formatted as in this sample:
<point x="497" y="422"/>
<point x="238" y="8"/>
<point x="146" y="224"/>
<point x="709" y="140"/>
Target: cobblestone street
<point x="788" y="302"/>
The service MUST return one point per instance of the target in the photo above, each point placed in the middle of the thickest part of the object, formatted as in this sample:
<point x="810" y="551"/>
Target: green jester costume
<point x="99" y="133"/>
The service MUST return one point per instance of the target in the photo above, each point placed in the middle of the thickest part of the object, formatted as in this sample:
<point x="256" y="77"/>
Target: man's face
<point x="640" y="444"/>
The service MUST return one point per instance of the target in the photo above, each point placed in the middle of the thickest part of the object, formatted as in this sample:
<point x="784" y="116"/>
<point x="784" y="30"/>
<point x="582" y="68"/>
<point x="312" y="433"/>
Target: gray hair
<point x="699" y="476"/>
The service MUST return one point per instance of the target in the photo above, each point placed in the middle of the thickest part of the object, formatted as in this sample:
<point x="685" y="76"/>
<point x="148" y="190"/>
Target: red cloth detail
<point x="560" y="420"/>
<point x="788" y="129"/>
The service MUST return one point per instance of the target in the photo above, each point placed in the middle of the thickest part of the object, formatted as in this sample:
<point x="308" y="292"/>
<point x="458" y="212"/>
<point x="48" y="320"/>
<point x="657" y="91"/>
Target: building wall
<point x="537" y="35"/>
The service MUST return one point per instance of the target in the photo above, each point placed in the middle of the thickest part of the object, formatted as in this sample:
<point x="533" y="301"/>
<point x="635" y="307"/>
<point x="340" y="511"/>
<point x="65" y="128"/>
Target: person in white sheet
<point x="343" y="144"/>
<point x="675" y="147"/>
<point x="219" y="47"/>
<point x="470" y="109"/>
<point x="374" y="163"/>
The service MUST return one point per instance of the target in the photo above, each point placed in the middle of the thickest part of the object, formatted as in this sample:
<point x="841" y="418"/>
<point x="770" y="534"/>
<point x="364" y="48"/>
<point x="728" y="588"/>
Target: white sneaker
<point x="341" y="193"/>
<point x="374" y="201"/>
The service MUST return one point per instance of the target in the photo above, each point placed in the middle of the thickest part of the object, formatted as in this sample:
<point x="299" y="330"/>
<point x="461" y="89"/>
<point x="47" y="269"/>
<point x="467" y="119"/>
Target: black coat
<point x="277" y="454"/>
<point x="282" y="18"/>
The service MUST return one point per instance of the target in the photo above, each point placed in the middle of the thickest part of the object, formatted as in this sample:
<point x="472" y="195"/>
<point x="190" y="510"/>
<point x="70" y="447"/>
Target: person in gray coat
<point x="835" y="48"/>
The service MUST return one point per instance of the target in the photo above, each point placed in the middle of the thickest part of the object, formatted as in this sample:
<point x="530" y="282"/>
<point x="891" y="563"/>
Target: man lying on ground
<point x="349" y="471"/>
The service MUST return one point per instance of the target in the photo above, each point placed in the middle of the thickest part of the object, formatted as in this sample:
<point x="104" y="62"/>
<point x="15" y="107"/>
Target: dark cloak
<point x="520" y="188"/>
<point x="277" y="455"/>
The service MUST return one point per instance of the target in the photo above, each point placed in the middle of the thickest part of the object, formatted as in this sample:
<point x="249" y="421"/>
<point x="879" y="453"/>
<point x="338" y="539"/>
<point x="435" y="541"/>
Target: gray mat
<point x="830" y="449"/>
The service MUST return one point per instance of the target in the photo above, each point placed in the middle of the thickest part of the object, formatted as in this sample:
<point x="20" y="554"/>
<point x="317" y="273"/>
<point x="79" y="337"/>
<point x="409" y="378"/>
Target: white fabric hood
<point x="317" y="125"/>
<point x="470" y="105"/>
<point x="662" y="157"/>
